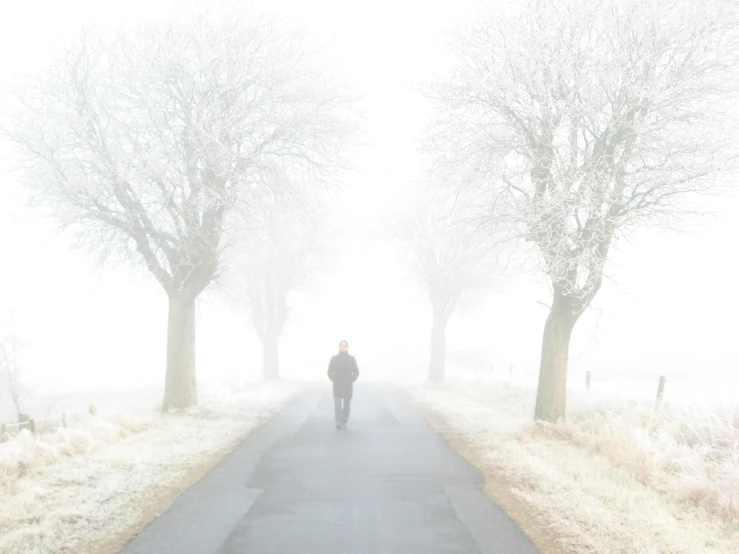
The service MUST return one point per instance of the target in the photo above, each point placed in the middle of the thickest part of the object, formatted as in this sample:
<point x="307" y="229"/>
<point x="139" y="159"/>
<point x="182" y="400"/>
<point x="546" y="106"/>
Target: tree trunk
<point x="551" y="396"/>
<point x="180" y="390"/>
<point x="270" y="356"/>
<point x="438" y="350"/>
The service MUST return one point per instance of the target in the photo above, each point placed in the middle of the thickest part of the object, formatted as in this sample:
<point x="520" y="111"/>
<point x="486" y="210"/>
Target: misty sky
<point x="671" y="307"/>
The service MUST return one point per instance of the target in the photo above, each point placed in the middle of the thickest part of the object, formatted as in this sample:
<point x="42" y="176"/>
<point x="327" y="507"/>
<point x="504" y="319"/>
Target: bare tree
<point x="153" y="144"/>
<point x="10" y="348"/>
<point x="450" y="263"/>
<point x="282" y="255"/>
<point x="571" y="122"/>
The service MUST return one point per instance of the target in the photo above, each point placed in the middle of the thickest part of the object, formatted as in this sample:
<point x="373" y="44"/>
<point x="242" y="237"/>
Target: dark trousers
<point x="342" y="411"/>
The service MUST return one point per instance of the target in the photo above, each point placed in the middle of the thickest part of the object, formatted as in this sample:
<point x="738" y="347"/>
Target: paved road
<point x="388" y="484"/>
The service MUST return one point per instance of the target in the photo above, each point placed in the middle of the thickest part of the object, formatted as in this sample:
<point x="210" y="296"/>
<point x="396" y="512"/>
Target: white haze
<point x="670" y="307"/>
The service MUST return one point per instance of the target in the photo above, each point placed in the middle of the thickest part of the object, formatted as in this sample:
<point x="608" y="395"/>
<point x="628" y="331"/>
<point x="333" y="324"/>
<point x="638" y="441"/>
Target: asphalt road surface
<point x="388" y="484"/>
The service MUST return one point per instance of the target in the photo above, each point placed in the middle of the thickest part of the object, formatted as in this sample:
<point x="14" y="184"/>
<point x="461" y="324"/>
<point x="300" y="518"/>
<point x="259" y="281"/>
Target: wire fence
<point x="652" y="387"/>
<point x="39" y="425"/>
<point x="34" y="425"/>
<point x="47" y="412"/>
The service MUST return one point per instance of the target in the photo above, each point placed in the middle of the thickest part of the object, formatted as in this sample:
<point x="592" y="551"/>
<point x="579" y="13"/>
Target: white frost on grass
<point x="618" y="477"/>
<point x="73" y="490"/>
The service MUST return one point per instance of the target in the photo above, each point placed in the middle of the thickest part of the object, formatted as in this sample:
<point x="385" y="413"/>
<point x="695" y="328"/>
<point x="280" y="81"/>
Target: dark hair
<point x="343" y="342"/>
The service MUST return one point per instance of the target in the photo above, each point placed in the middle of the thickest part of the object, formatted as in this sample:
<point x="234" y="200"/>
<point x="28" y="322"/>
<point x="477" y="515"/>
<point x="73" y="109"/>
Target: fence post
<point x="24" y="421"/>
<point x="587" y="379"/>
<point x="32" y="426"/>
<point x="660" y="389"/>
<point x="64" y="421"/>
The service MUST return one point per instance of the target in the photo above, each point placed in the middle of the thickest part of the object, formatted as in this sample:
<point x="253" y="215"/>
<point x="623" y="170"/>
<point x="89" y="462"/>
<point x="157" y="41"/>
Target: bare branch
<point x="571" y="122"/>
<point x="168" y="136"/>
<point x="282" y="255"/>
<point x="450" y="258"/>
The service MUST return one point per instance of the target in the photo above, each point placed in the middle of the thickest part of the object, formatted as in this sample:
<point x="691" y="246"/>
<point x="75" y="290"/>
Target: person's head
<point x="343" y="346"/>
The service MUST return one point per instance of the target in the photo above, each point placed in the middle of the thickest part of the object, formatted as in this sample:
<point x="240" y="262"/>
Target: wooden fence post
<point x="64" y="421"/>
<point x="660" y="389"/>
<point x="32" y="426"/>
<point x="24" y="421"/>
<point x="587" y="379"/>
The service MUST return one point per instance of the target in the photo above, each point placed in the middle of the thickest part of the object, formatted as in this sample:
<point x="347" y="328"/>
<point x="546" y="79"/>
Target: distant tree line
<point x="201" y="148"/>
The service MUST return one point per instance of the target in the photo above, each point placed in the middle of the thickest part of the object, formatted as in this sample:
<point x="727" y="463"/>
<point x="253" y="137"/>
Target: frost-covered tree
<point x="151" y="144"/>
<point x="283" y="254"/>
<point x="572" y="122"/>
<point x="450" y="263"/>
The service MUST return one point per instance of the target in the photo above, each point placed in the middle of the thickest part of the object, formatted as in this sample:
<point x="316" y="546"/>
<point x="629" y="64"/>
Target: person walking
<point x="343" y="372"/>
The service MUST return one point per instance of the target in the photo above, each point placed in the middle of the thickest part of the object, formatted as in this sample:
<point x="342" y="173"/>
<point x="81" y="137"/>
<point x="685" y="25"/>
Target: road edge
<point x="164" y="497"/>
<point x="498" y="487"/>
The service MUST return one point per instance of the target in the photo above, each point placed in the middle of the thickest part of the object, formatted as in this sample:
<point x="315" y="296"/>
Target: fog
<point x="669" y="306"/>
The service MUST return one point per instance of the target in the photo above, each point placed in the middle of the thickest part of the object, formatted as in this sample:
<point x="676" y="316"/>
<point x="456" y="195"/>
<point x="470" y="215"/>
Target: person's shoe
<point x="338" y="426"/>
<point x="343" y="425"/>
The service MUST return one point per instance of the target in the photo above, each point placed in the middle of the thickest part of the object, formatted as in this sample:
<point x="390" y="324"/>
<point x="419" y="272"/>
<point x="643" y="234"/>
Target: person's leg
<point x="347" y="408"/>
<point x="337" y="410"/>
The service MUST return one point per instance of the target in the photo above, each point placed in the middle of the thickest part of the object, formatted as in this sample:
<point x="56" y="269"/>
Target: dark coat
<point x="343" y="371"/>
